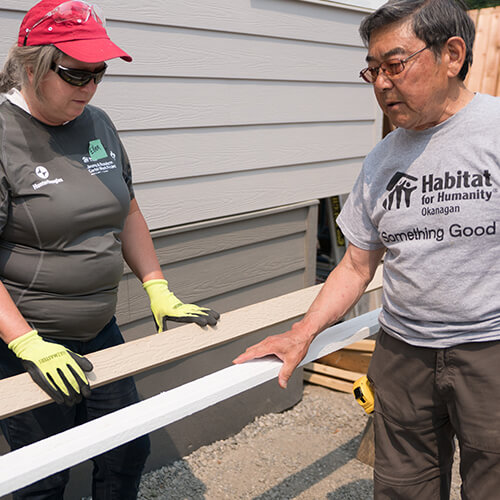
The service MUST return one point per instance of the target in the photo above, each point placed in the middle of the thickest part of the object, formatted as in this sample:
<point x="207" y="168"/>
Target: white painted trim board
<point x="31" y="463"/>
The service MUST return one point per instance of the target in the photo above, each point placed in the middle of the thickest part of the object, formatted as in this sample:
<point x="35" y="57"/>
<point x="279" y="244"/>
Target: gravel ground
<point x="307" y="452"/>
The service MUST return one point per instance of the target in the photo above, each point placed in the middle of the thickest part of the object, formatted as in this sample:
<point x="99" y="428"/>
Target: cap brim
<point x="93" y="50"/>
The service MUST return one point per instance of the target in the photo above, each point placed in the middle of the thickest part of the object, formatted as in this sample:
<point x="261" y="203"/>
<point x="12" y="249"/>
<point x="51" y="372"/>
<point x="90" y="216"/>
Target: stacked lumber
<point x="340" y="369"/>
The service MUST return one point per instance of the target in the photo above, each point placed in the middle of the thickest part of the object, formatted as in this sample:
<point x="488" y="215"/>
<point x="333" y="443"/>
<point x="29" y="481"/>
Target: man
<point x="428" y="198"/>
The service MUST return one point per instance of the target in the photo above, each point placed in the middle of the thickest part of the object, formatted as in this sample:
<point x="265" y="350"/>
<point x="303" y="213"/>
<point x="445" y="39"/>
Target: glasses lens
<point x="71" y="11"/>
<point x="76" y="11"/>
<point x="394" y="67"/>
<point x="79" y="78"/>
<point x="98" y="15"/>
<point x="390" y="68"/>
<point x="75" y="77"/>
<point x="369" y="75"/>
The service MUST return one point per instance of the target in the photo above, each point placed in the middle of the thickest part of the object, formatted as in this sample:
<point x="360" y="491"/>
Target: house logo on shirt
<point x="400" y="188"/>
<point x="97" y="161"/>
<point x="438" y="192"/>
<point x="96" y="150"/>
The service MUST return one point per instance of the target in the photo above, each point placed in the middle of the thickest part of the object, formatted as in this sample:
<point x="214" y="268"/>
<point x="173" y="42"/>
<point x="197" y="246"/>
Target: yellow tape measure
<point x="363" y="392"/>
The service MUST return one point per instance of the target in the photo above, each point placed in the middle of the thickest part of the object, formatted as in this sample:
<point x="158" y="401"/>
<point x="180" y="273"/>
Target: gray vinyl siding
<point x="233" y="106"/>
<point x="229" y="263"/>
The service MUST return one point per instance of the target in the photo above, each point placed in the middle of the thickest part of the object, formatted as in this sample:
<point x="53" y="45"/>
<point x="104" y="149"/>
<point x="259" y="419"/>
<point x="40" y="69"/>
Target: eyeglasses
<point x="78" y="77"/>
<point x="392" y="67"/>
<point x="76" y="11"/>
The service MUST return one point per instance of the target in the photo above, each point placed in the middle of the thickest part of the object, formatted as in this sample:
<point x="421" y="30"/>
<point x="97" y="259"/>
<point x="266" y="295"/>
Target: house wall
<point x="232" y="106"/>
<point x="237" y="115"/>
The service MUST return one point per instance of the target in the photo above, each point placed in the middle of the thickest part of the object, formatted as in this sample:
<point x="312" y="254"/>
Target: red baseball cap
<point x="75" y="27"/>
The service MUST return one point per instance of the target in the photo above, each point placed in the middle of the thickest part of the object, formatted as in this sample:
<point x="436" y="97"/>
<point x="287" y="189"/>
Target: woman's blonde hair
<point x="38" y="58"/>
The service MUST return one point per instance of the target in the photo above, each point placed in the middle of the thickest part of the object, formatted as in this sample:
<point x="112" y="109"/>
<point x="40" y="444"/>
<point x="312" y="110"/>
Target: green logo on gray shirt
<point x="96" y="150"/>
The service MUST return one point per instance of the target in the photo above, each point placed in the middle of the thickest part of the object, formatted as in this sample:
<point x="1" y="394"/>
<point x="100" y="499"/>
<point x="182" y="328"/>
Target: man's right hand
<point x="56" y="369"/>
<point x="291" y="347"/>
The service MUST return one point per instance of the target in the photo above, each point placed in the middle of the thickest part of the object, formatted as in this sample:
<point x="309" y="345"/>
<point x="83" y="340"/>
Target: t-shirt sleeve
<point x="127" y="171"/>
<point x="355" y="221"/>
<point x="4" y="193"/>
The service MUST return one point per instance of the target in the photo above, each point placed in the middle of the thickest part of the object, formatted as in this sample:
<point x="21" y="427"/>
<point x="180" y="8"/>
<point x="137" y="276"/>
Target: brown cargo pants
<point x="423" y="399"/>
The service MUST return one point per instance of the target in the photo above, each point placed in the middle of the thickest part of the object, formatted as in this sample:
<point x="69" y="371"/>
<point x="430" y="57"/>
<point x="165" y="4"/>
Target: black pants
<point x="424" y="398"/>
<point x="117" y="472"/>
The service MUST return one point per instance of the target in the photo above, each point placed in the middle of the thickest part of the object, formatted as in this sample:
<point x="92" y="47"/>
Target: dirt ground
<point x="305" y="453"/>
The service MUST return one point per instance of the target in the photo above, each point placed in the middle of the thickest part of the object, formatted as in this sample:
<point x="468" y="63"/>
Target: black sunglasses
<point x="78" y="77"/>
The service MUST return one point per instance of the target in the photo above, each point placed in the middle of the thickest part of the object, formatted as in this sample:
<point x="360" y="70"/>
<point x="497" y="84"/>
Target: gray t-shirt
<point x="65" y="192"/>
<point x="431" y="198"/>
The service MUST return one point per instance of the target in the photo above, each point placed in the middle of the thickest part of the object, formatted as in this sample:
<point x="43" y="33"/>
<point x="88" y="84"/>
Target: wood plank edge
<point x="331" y="371"/>
<point x="328" y="382"/>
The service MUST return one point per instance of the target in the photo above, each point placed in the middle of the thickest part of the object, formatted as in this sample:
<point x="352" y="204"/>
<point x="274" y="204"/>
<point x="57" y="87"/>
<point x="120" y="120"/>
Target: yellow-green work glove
<point x="165" y="305"/>
<point x="57" y="370"/>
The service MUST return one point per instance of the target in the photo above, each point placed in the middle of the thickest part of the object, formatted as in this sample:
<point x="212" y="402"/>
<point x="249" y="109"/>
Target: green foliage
<point x="482" y="4"/>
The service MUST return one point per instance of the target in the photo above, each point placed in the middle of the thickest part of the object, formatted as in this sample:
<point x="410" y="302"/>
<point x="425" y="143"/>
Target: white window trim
<point x="360" y="5"/>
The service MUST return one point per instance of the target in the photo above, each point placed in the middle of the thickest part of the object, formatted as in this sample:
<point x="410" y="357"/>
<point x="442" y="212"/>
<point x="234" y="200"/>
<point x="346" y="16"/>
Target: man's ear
<point x="454" y="53"/>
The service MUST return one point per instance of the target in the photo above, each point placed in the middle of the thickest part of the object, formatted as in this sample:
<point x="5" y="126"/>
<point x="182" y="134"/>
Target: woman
<point x="68" y="217"/>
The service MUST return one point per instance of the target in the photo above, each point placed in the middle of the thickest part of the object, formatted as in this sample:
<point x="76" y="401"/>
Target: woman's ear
<point x="29" y="73"/>
<point x="455" y="50"/>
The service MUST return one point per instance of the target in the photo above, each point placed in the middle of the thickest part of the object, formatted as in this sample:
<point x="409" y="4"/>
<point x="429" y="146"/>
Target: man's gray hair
<point x="433" y="21"/>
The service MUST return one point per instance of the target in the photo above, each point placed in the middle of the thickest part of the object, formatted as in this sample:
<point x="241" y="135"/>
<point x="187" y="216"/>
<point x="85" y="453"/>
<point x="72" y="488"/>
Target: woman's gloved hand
<point x="165" y="305"/>
<point x="56" y="369"/>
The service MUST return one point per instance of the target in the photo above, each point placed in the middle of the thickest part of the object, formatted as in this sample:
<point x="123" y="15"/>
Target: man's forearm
<point x="342" y="290"/>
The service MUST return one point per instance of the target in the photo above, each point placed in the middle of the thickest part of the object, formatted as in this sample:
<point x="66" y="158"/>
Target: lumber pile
<point x="340" y="369"/>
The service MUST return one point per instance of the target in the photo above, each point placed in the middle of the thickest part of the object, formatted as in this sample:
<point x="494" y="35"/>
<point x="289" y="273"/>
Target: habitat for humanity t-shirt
<point x="431" y="198"/>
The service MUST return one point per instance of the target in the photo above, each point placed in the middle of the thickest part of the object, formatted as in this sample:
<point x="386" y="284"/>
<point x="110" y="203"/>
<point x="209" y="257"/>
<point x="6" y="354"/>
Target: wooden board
<point x="331" y="371"/>
<point x="31" y="463"/>
<point x="20" y="393"/>
<point x="334" y="372"/>
<point x="348" y="360"/>
<point x="367" y="345"/>
<point x="330" y="382"/>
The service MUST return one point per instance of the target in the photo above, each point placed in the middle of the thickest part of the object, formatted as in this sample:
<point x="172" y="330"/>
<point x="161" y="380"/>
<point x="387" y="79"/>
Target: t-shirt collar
<point x="16" y="98"/>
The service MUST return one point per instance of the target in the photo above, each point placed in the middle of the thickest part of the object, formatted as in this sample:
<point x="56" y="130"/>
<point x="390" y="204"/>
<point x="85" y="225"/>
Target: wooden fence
<point x="484" y="75"/>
